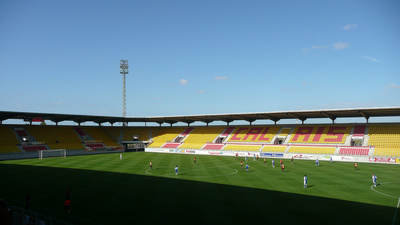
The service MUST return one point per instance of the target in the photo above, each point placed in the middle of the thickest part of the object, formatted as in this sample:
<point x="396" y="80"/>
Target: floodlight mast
<point x="124" y="69"/>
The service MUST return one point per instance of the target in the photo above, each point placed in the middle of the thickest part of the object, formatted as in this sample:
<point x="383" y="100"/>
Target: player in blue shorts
<point x="317" y="162"/>
<point x="374" y="178"/>
<point x="305" y="181"/>
<point x="247" y="167"/>
<point x="273" y="163"/>
<point x="176" y="170"/>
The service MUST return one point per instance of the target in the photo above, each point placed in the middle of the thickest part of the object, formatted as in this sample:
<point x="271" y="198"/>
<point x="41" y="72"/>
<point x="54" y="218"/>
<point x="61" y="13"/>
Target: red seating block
<point x="359" y="131"/>
<point x="213" y="146"/>
<point x="171" y="145"/>
<point x="354" y="151"/>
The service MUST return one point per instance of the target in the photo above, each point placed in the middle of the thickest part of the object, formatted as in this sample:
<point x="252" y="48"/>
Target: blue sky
<point x="198" y="57"/>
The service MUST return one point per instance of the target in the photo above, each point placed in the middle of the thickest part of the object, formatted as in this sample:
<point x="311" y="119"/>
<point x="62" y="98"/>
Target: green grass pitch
<point x="107" y="190"/>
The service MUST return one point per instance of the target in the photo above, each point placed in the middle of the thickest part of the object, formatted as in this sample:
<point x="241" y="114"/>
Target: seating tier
<point x="164" y="135"/>
<point x="201" y="136"/>
<point x="56" y="137"/>
<point x="98" y="134"/>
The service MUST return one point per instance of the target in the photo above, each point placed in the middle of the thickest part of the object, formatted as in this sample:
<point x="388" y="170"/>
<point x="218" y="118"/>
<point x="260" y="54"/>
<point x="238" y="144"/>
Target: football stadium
<point x="233" y="112"/>
<point x="229" y="174"/>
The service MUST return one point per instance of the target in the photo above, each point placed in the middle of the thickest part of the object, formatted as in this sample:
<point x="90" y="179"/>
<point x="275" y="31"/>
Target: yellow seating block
<point x="250" y="148"/>
<point x="274" y="148"/>
<point x="8" y="140"/>
<point x="312" y="150"/>
<point x="165" y="134"/>
<point x="384" y="136"/>
<point x="56" y="137"/>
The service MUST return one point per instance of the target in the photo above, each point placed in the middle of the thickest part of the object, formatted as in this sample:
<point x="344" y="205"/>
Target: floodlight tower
<point x="124" y="69"/>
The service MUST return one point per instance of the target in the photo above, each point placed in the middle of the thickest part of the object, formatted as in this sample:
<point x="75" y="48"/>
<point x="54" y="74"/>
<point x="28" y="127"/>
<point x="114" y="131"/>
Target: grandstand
<point x="377" y="140"/>
<point x="369" y="140"/>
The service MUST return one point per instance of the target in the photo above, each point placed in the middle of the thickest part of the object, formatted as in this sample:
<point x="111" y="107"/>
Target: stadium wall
<point x="297" y="156"/>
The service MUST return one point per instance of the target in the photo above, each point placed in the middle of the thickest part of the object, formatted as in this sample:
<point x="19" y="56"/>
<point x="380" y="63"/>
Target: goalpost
<point x="52" y="153"/>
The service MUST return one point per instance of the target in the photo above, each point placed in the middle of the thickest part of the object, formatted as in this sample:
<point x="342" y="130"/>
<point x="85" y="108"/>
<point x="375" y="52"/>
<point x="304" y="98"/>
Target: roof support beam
<point x="227" y="121"/>
<point x="333" y="118"/>
<point x="366" y="116"/>
<point x="296" y="116"/>
<point x="171" y="122"/>
<point x="250" y="121"/>
<point x="207" y="121"/>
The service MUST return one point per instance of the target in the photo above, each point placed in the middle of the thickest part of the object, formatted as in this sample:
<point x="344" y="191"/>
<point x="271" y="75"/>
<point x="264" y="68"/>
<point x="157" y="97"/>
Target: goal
<point x="52" y="153"/>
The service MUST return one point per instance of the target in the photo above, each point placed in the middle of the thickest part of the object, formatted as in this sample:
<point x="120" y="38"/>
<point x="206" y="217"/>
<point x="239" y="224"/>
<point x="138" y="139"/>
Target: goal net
<point x="52" y="153"/>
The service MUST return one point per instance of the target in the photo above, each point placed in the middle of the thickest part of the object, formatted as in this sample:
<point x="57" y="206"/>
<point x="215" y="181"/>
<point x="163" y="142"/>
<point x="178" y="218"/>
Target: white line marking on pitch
<point x="395" y="214"/>
<point x="391" y="196"/>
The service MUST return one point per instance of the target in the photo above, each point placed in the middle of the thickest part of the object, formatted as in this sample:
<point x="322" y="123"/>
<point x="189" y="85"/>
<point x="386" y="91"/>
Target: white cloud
<point x="183" y="82"/>
<point x="340" y="45"/>
<point x="337" y="46"/>
<point x="201" y="92"/>
<point x="314" y="47"/>
<point x="371" y="58"/>
<point x="394" y="86"/>
<point x="286" y="89"/>
<point x="391" y="86"/>
<point x="220" y="78"/>
<point x="350" y="26"/>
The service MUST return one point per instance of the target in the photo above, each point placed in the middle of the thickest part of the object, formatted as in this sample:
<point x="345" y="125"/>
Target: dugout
<point x="134" y="146"/>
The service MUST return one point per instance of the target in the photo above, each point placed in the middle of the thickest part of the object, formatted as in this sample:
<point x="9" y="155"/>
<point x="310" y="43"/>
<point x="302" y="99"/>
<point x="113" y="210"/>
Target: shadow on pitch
<point x="100" y="197"/>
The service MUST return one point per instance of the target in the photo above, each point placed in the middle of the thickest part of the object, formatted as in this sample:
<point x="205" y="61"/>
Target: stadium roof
<point x="228" y="118"/>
